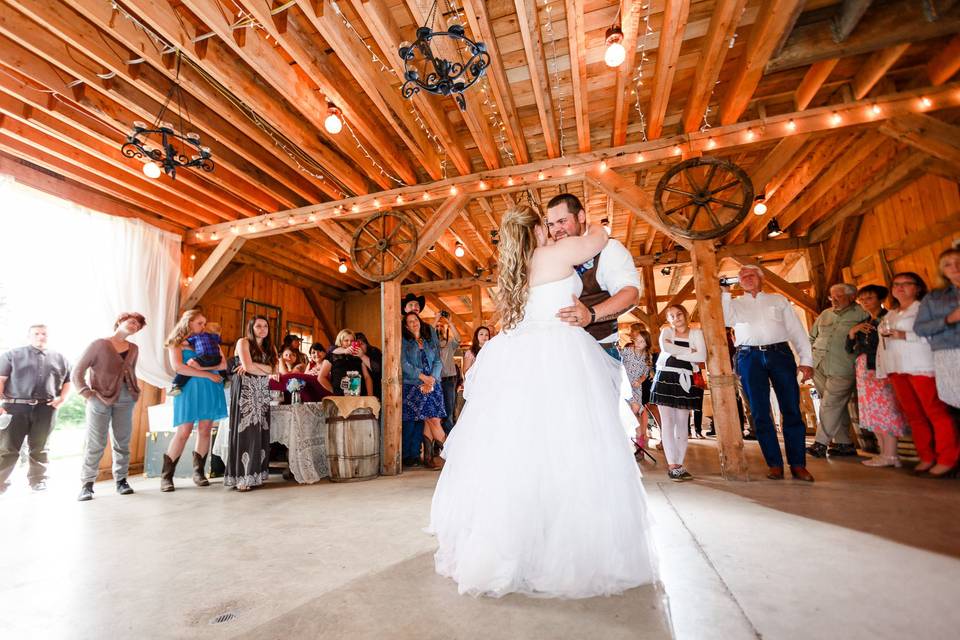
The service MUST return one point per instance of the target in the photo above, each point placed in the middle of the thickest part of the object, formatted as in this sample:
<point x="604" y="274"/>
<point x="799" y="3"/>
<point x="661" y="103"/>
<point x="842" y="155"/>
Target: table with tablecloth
<point x="302" y="428"/>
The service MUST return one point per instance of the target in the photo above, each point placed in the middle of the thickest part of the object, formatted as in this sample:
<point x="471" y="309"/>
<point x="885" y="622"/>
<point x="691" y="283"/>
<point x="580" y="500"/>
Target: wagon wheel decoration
<point x="703" y="198"/>
<point x="383" y="246"/>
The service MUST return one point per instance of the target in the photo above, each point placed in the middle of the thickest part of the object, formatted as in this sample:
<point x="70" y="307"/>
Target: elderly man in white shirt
<point x="611" y="285"/>
<point x="765" y="326"/>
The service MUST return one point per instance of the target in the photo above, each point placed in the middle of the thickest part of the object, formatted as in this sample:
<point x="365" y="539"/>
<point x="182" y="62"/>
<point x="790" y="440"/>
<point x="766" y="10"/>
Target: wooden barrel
<point x="353" y="446"/>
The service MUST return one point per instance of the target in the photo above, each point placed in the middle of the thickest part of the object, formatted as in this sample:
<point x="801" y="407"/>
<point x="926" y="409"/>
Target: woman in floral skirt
<point x="249" y="455"/>
<point x="422" y="393"/>
<point x="879" y="411"/>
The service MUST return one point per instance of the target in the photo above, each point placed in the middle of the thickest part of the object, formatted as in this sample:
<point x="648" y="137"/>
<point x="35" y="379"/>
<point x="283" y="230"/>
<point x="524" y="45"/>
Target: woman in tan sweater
<point x="106" y="377"/>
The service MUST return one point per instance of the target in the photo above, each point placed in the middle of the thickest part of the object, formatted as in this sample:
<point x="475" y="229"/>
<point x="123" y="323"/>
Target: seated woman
<point x="290" y="360"/>
<point x="317" y="355"/>
<point x="345" y="357"/>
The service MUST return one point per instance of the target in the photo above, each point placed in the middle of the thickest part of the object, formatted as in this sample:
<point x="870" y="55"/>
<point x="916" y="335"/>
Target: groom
<point x="610" y="283"/>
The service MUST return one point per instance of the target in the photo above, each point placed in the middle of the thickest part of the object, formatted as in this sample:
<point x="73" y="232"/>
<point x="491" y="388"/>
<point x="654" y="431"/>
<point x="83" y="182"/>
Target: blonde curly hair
<point x="182" y="329"/>
<point x="517" y="243"/>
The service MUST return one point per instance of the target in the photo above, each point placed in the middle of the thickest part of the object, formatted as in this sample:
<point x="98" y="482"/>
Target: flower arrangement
<point x="294" y="385"/>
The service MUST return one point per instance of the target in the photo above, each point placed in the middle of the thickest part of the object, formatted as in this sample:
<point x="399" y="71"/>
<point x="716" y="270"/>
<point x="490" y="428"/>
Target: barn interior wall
<point x="907" y="232"/>
<point x="362" y="313"/>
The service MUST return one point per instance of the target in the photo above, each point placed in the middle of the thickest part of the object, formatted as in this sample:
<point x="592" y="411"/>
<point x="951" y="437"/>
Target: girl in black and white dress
<point x="682" y="349"/>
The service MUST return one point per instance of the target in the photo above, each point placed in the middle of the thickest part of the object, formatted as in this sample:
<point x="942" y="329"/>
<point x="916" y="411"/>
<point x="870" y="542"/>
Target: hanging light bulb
<point x="773" y="228"/>
<point x="343" y="265"/>
<point x="459" y="251"/>
<point x="151" y="169"/>
<point x="760" y="206"/>
<point x="333" y="123"/>
<point x="615" y="53"/>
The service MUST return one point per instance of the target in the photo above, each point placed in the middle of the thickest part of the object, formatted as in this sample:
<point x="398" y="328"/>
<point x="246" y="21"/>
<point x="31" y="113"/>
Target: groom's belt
<point x="776" y="346"/>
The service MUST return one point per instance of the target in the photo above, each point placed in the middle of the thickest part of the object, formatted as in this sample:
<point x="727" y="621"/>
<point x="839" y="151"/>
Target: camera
<point x="444" y="314"/>
<point x="729" y="281"/>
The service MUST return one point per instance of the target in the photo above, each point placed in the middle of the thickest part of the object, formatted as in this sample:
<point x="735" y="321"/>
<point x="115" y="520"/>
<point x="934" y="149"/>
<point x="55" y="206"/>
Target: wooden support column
<point x="477" y="299"/>
<point x="392" y="407"/>
<point x="723" y="383"/>
<point x="650" y="296"/>
<point x="212" y="267"/>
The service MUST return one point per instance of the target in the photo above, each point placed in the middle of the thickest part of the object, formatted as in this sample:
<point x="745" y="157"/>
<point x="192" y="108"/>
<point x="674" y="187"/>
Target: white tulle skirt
<point x="540" y="493"/>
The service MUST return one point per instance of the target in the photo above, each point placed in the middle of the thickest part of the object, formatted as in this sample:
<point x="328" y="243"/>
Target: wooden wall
<point x="907" y="231"/>
<point x="223" y="304"/>
<point x="362" y="313"/>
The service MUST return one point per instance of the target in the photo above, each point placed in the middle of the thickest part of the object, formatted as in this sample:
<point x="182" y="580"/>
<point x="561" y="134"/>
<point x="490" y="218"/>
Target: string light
<point x="251" y="228"/>
<point x="750" y="135"/>
<point x="291" y="220"/>
<point x="426" y="196"/>
<point x="711" y="143"/>
<point x="379" y="167"/>
<point x="312" y="218"/>
<point x="453" y="190"/>
<point x="791" y="125"/>
<point x="355" y="208"/>
<point x="193" y="256"/>
<point x="199" y="235"/>
<point x="677" y="150"/>
<point x="540" y="176"/>
<point x="376" y="203"/>
<point x="510" y="181"/>
<point x="638" y="73"/>
<point x="835" y="118"/>
<point x="639" y="157"/>
<point x="557" y="92"/>
<point x="399" y="199"/>
<point x="234" y="230"/>
<point x="483" y="185"/>
<point x="213" y="236"/>
<point x="925" y="102"/>
<point x="875" y="109"/>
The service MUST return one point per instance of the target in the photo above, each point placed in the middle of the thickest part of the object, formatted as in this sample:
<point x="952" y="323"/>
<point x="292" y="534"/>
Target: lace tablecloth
<point x="302" y="428"/>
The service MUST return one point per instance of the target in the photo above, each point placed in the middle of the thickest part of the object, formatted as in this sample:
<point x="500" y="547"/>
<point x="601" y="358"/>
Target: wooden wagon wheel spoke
<point x="689" y="194"/>
<point x="693" y="217"/>
<point x="732" y="183"/>
<point x="713" y="216"/>
<point x="675" y="209"/>
<point x="370" y="233"/>
<point x="373" y="256"/>
<point x="395" y="238"/>
<point x="710" y="174"/>
<point x="726" y="203"/>
<point x="366" y="248"/>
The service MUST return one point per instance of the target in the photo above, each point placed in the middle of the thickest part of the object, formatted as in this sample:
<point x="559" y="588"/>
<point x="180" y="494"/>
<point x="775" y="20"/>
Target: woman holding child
<point x="200" y="400"/>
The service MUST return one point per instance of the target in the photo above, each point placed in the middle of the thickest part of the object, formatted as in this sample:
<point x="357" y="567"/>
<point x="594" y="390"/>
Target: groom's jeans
<point x="412" y="438"/>
<point x="758" y="370"/>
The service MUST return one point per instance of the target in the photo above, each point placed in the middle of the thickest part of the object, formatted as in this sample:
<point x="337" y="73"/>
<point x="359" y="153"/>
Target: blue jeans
<point x="449" y="400"/>
<point x="758" y="370"/>
<point x="412" y="438"/>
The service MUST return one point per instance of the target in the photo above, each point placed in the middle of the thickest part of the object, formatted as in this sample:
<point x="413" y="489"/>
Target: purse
<point x="699" y="380"/>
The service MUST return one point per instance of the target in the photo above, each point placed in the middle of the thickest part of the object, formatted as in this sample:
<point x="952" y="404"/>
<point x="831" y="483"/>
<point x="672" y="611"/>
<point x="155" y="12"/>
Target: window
<point x="305" y="332"/>
<point x="273" y="314"/>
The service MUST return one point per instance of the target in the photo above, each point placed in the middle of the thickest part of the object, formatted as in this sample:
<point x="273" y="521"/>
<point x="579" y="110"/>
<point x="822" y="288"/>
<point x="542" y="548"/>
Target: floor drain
<point x="223" y="617"/>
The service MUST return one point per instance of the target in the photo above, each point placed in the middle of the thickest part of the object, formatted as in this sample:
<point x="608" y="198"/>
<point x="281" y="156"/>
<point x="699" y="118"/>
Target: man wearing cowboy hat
<point x="417" y="304"/>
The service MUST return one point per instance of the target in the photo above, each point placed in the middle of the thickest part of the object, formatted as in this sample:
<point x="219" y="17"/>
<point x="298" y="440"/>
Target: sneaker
<point x="817" y="450"/>
<point x="40" y="485"/>
<point x="679" y="474"/>
<point x="842" y="450"/>
<point x="684" y="474"/>
<point x="174" y="391"/>
<point x="123" y="487"/>
<point x="86" y="492"/>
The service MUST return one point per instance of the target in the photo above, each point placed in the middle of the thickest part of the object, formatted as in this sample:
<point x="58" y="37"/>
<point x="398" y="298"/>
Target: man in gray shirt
<point x="34" y="381"/>
<point x="449" y="343"/>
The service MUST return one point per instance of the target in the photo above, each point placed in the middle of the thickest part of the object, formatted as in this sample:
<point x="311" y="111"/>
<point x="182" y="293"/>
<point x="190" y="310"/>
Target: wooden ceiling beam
<point x="946" y="63"/>
<point x="444" y="215"/>
<point x="849" y="16"/>
<point x="61" y="27"/>
<point x="631" y="27"/>
<point x="90" y="178"/>
<point x="753" y="250"/>
<point x="458" y="322"/>
<point x="219" y="65"/>
<point x="723" y="24"/>
<point x="934" y="137"/>
<point x="297" y="41"/>
<point x="210" y="270"/>
<point x="286" y="275"/>
<point x="576" y="45"/>
<point x="638" y="154"/>
<point x="675" y="13"/>
<point x="275" y="71"/>
<point x="25" y="172"/>
<point x="789" y="289"/>
<point x="893" y="23"/>
<point x="775" y="19"/>
<point x="902" y="173"/>
<point x="528" y="21"/>
<point x="875" y="67"/>
<point x="385" y="32"/>
<point x="813" y="79"/>
<point x="481" y="25"/>
<point x="55" y="114"/>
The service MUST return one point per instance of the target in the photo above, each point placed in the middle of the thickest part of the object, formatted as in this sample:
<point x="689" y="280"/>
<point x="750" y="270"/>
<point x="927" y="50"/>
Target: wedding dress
<point x="540" y="493"/>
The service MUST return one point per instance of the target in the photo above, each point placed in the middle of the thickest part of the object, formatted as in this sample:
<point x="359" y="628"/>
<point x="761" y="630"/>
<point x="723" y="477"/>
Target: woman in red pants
<point x="907" y="360"/>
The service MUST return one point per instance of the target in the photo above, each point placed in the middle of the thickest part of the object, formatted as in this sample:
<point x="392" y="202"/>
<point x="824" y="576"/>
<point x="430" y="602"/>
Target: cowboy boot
<point x="166" y="474"/>
<point x="199" y="462"/>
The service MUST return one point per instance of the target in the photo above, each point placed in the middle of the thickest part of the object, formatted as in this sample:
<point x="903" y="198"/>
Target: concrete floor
<point x="861" y="553"/>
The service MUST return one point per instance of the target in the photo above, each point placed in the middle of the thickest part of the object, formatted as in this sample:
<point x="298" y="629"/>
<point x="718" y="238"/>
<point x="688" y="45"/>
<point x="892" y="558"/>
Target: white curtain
<point x="76" y="270"/>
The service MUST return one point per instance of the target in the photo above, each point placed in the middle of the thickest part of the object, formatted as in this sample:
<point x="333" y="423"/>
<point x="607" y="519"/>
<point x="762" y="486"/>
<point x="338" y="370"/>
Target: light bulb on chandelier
<point x="615" y="53"/>
<point x="333" y="123"/>
<point x="151" y="169"/>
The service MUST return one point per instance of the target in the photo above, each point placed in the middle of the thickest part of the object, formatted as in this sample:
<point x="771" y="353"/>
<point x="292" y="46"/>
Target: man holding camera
<point x="765" y="326"/>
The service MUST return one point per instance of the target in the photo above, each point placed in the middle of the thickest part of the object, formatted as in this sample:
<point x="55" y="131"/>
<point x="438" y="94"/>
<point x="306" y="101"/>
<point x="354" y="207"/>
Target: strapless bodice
<point x="546" y="299"/>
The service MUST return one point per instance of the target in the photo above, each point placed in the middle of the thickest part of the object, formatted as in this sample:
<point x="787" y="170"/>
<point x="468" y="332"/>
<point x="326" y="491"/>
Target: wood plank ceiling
<point x="257" y="76"/>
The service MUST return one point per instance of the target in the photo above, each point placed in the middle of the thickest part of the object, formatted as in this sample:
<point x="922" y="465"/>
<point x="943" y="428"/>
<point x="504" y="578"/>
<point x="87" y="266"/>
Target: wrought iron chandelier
<point x="438" y="75"/>
<point x="162" y="146"/>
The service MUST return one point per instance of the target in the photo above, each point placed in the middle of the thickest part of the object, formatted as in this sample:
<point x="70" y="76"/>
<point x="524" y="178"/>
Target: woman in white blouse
<point x="907" y="360"/>
<point x="674" y="387"/>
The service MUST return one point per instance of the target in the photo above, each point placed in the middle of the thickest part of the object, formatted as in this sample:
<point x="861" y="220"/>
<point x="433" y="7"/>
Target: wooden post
<point x="723" y="383"/>
<point x="477" y="295"/>
<point x="392" y="407"/>
<point x="650" y="295"/>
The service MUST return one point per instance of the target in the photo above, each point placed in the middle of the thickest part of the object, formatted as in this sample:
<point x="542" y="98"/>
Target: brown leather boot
<point x="166" y="474"/>
<point x="199" y="462"/>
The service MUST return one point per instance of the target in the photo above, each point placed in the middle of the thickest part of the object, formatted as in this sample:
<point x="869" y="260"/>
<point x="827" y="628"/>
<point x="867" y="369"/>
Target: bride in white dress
<point x="540" y="493"/>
